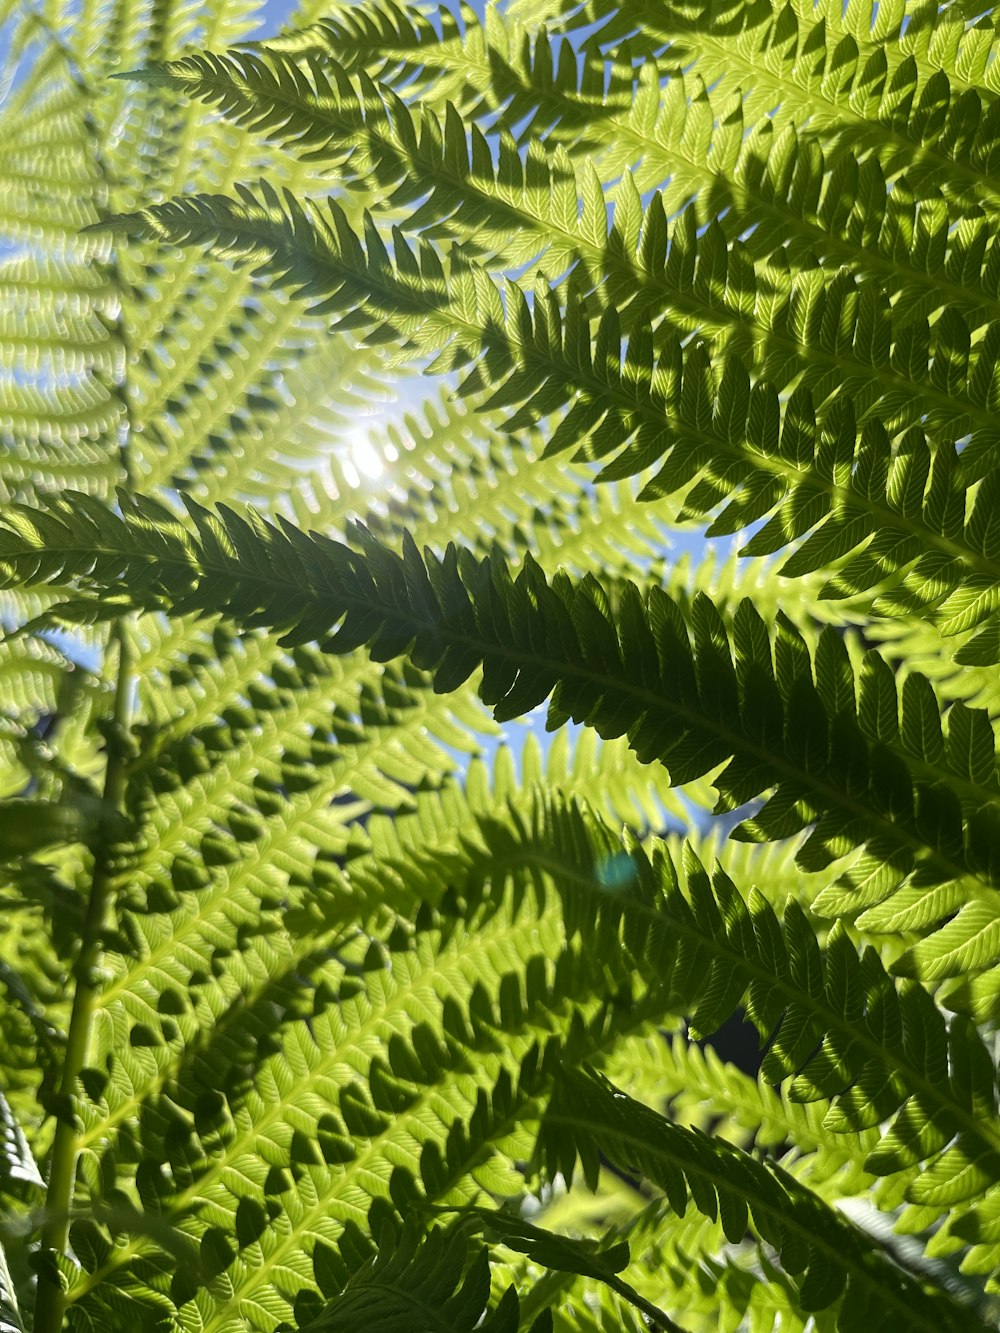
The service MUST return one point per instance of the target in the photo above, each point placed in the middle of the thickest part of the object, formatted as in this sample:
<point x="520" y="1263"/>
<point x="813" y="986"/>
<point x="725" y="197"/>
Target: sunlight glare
<point x="362" y="460"/>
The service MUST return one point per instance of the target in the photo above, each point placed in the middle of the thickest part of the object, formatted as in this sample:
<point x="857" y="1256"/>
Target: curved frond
<point x="414" y="1283"/>
<point x="923" y="102"/>
<point x="867" y="770"/>
<point x="906" y="511"/>
<point x="517" y="210"/>
<point x="834" y="1260"/>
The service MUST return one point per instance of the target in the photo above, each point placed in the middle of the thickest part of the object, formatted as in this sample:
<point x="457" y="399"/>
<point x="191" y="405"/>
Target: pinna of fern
<point x="534" y="637"/>
<point x="917" y="520"/>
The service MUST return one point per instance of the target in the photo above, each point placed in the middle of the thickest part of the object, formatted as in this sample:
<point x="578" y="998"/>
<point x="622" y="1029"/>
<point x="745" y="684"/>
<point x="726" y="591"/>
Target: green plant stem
<point x="50" y="1302"/>
<point x="659" y="1320"/>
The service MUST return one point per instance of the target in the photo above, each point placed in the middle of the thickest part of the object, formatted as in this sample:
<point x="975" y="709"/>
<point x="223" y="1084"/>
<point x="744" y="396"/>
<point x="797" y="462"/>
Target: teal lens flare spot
<point x="616" y="872"/>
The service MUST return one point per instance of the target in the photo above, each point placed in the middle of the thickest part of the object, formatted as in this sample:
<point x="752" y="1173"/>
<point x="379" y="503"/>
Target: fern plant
<point x="371" y="392"/>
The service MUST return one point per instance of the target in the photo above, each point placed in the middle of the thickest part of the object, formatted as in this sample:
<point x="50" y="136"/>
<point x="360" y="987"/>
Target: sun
<point x="361" y="461"/>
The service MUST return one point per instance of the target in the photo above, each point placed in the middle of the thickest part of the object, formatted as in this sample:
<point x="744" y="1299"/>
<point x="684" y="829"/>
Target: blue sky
<point x="276" y="14"/>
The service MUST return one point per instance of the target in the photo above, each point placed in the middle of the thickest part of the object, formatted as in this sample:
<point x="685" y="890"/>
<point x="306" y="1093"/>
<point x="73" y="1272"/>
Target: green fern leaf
<point x="834" y="1261"/>
<point x="685" y="697"/>
<point x="803" y="471"/>
<point x="412" y="1285"/>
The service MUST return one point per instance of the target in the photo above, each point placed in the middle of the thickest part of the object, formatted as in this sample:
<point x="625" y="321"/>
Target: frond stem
<point x="50" y="1301"/>
<point x="658" y="1319"/>
<point x="50" y="1304"/>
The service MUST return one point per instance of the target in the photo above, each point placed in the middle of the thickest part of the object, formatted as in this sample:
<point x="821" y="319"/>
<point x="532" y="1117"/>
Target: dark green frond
<point x="773" y="190"/>
<point x="833" y="1022"/>
<point x="830" y="1260"/>
<point x="867" y="768"/>
<point x="906" y="511"/>
<point x="423" y="1282"/>
<point x="517" y="211"/>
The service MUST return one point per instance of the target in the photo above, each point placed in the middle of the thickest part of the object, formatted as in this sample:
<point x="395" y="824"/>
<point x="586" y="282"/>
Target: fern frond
<point x="919" y="646"/>
<point x="707" y="952"/>
<point x="907" y="516"/>
<point x="836" y="1262"/>
<point x="50" y="709"/>
<point x="415" y="1092"/>
<point x="675" y="1266"/>
<point x="394" y="866"/>
<point x="283" y="441"/>
<point x="561" y="1253"/>
<point x="343" y="928"/>
<point x="35" y="677"/>
<point x="975" y="1233"/>
<point x="890" y="1051"/>
<point x="366" y="30"/>
<point x="17" y="1165"/>
<point x="516" y="209"/>
<point x="504" y="494"/>
<point x="688" y="704"/>
<point x="854" y="83"/>
<point x="222" y="861"/>
<point x="58" y="350"/>
<point x="406" y="856"/>
<point x="773" y="190"/>
<point x="177" y="908"/>
<point x="680" y="950"/>
<point x="423" y="1281"/>
<point x="33" y="1014"/>
<point x="10" y="1314"/>
<point x="702" y="1092"/>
